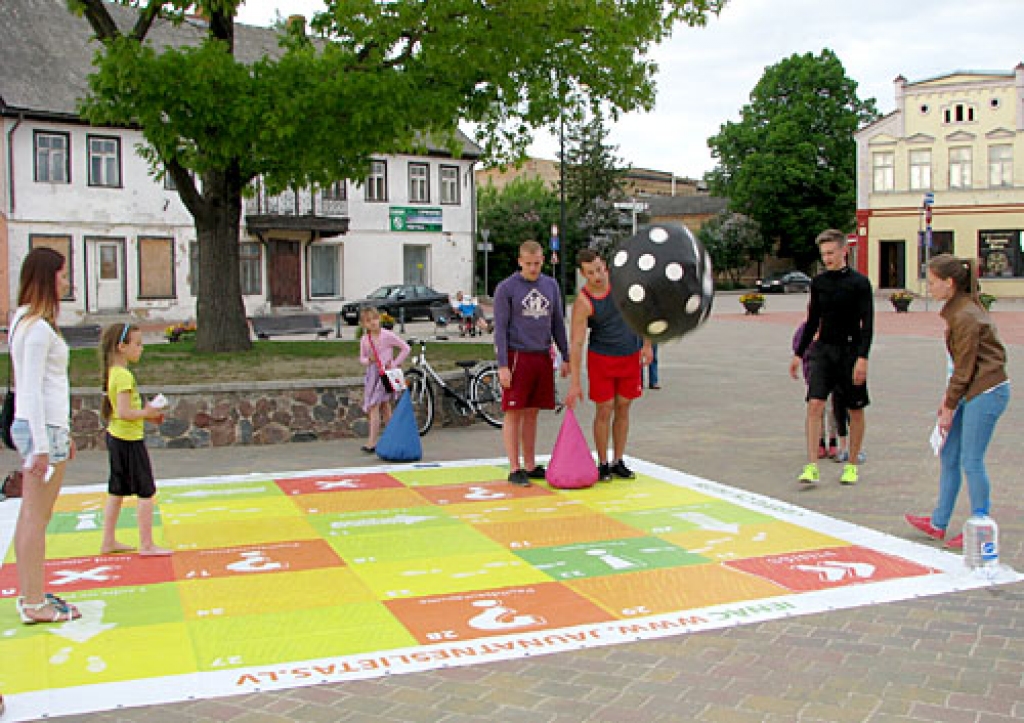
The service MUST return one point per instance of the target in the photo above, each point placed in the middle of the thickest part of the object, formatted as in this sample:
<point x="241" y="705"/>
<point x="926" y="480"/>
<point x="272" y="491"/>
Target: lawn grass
<point x="180" y="363"/>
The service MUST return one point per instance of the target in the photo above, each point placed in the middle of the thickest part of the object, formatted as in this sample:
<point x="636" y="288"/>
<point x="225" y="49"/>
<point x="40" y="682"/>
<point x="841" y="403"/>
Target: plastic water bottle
<point x="981" y="542"/>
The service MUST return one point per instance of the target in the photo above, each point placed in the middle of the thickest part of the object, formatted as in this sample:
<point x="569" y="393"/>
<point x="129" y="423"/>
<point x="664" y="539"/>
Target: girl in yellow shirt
<point x="130" y="470"/>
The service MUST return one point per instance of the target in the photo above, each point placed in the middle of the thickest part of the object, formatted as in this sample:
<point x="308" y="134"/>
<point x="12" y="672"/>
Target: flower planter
<point x="753" y="307"/>
<point x="902" y="306"/>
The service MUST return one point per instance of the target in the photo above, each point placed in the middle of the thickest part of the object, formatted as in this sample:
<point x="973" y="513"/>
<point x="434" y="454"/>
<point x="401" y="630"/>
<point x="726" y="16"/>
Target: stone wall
<point x="239" y="413"/>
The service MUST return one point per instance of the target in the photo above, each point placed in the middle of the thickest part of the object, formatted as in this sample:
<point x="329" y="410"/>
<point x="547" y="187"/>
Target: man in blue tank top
<point x="615" y="360"/>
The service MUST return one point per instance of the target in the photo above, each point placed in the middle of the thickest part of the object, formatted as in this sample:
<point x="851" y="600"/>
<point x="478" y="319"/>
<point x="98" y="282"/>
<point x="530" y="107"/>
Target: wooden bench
<point x="81" y="335"/>
<point x="265" y="327"/>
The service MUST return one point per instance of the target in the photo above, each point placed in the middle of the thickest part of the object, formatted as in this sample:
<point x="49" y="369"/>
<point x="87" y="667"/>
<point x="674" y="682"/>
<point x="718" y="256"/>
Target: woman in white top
<point x="42" y="412"/>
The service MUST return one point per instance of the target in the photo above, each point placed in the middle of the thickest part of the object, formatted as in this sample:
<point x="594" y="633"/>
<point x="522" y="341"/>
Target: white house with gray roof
<point x="130" y="241"/>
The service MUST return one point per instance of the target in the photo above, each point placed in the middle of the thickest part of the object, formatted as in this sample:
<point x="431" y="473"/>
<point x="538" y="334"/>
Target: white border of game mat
<point x="953" y="577"/>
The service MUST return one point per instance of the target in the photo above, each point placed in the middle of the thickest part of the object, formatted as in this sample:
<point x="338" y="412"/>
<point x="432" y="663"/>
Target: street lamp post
<point x="485" y="233"/>
<point x="563" y="257"/>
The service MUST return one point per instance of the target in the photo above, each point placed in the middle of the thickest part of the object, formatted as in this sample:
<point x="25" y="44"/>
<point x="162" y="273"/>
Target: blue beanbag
<point x="400" y="441"/>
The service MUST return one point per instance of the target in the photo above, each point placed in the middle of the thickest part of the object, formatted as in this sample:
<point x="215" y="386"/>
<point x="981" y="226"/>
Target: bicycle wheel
<point x="422" y="399"/>
<point x="485" y="395"/>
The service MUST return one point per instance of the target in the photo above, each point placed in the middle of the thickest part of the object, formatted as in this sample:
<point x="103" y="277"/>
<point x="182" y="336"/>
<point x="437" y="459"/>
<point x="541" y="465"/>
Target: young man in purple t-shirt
<point x="528" y="316"/>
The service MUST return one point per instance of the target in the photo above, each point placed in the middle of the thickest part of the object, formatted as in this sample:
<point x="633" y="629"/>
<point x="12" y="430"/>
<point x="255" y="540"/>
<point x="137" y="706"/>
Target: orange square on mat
<point x="478" y="614"/>
<point x="667" y="590"/>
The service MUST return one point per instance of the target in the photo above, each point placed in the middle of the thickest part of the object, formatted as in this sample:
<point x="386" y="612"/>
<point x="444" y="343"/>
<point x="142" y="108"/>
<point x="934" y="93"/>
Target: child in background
<point x="130" y="470"/>
<point x="377" y="353"/>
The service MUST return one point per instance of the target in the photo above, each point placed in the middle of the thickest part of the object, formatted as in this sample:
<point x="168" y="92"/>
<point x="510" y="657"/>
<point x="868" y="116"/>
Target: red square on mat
<point x="829" y="568"/>
<point x="336" y="483"/>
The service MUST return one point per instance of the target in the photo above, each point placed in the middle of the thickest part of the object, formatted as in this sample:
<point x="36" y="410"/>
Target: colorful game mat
<point x="322" y="577"/>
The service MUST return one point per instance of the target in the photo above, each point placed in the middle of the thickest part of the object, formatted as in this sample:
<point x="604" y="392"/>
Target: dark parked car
<point x="783" y="282"/>
<point x="413" y="300"/>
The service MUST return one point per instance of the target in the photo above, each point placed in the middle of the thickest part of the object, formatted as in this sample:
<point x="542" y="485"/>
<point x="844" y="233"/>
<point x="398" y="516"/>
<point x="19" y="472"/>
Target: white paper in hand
<point x="937" y="439"/>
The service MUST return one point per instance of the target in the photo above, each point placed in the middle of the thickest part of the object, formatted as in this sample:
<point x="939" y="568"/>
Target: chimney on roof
<point x="901" y="88"/>
<point x="297" y="23"/>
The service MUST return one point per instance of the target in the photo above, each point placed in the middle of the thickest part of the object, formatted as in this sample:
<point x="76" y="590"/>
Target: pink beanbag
<point x="571" y="466"/>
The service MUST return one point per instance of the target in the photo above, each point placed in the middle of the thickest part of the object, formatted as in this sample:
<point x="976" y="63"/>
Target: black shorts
<point x="831" y="372"/>
<point x="130" y="470"/>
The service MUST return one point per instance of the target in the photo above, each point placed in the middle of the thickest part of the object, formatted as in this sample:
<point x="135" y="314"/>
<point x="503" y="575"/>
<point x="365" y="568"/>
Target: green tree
<point x="381" y="77"/>
<point x="525" y="208"/>
<point x="790" y="162"/>
<point x="594" y="182"/>
<point x="733" y="241"/>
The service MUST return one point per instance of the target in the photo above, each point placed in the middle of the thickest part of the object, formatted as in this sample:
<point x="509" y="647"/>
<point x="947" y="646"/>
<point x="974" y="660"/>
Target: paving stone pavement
<point x="727" y="411"/>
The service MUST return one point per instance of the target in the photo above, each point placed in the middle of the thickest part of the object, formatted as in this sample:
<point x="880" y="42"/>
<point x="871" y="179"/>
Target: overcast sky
<point x="706" y="74"/>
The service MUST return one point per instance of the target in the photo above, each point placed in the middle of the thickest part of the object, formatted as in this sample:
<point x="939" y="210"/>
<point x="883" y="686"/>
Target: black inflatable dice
<point x="662" y="282"/>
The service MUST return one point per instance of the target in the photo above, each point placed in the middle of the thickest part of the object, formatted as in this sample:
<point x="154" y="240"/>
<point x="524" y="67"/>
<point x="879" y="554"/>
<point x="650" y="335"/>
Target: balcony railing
<point x="302" y="202"/>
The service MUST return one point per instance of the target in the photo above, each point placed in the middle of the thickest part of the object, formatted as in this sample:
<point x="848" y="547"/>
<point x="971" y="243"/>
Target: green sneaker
<point x="810" y="474"/>
<point x="849" y="475"/>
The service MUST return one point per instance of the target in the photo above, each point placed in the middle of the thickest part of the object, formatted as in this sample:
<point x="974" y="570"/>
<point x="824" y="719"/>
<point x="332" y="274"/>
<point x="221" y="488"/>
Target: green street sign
<point x="404" y="218"/>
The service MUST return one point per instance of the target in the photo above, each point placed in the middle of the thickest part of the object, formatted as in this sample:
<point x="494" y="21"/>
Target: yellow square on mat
<point x="754" y="540"/>
<point x="297" y="635"/>
<point x="423" y="576"/>
<point x="273" y="592"/>
<point x="214" y="492"/>
<point x="72" y="657"/>
<point x="625" y="496"/>
<point x="431" y="476"/>
<point x="548" y="507"/>
<point x="252" y="508"/>
<point x="242" y="532"/>
<point x="413" y="543"/>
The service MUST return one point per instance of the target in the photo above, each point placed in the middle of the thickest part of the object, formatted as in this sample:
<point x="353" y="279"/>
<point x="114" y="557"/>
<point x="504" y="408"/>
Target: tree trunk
<point x="220" y="314"/>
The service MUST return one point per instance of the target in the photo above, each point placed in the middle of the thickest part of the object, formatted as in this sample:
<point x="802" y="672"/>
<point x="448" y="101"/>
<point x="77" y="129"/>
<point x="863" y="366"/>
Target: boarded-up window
<point x="62" y="245"/>
<point x="156" y="268"/>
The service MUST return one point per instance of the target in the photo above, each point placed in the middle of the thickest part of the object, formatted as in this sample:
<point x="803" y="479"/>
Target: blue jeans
<point x="964" y="449"/>
<point x="652" y="368"/>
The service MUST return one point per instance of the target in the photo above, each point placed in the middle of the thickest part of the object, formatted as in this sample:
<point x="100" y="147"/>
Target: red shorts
<point x="614" y="376"/>
<point x="533" y="381"/>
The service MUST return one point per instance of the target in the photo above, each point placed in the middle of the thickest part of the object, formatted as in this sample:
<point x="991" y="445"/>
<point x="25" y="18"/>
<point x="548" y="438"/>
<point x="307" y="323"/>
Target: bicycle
<point x="482" y="396"/>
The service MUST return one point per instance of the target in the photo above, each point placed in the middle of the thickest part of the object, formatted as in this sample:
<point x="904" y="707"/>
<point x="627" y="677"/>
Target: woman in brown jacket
<point x="976" y="395"/>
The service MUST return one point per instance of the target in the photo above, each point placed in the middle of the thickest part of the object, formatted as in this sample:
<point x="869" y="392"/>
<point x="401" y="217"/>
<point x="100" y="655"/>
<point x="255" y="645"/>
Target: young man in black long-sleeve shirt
<point x="841" y="312"/>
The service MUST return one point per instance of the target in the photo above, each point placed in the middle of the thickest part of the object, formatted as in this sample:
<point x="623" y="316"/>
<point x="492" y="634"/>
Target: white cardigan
<point x="43" y="392"/>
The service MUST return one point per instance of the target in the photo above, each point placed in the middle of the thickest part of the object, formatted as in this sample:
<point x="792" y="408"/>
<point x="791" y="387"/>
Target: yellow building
<point x="947" y="164"/>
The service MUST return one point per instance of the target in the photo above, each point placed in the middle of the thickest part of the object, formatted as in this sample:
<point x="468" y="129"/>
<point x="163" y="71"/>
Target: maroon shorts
<point x="533" y="381"/>
<point x="614" y="376"/>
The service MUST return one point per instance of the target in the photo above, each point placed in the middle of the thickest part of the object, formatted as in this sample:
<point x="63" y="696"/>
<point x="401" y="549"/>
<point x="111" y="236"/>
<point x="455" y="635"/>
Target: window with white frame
<point x="419" y="183"/>
<point x="377" y="182"/>
<point x="884" y="171"/>
<point x="104" y="161"/>
<point x="920" y="170"/>
<point x="324" y="270"/>
<point x="450" y="185"/>
<point x="960" y="160"/>
<point x="250" y="263"/>
<point x="53" y="164"/>
<point x="1000" y="165"/>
